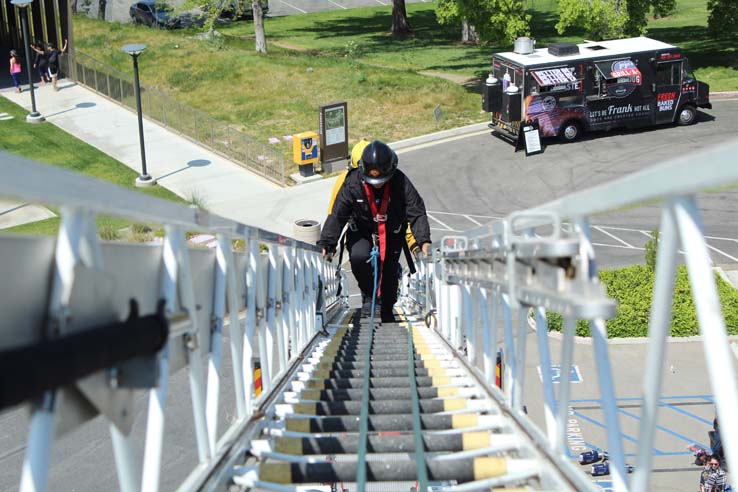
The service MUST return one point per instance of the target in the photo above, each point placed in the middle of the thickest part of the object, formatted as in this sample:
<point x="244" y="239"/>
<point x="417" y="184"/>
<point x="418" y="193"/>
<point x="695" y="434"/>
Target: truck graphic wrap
<point x="630" y="82"/>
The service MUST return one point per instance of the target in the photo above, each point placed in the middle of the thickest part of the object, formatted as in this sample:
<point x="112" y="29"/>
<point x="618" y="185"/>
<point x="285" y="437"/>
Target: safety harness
<point x="380" y="217"/>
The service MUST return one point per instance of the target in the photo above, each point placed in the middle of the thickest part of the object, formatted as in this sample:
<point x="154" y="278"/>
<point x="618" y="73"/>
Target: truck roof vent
<point x="563" y="49"/>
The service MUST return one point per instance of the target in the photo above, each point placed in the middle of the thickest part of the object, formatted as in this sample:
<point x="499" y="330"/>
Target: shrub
<point x="652" y="247"/>
<point x="632" y="289"/>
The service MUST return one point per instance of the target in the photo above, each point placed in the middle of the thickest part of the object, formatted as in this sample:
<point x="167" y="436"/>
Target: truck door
<point x="667" y="90"/>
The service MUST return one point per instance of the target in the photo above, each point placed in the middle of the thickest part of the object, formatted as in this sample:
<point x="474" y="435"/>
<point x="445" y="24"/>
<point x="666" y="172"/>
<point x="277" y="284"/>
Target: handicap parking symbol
<point x="574" y="376"/>
<point x="605" y="486"/>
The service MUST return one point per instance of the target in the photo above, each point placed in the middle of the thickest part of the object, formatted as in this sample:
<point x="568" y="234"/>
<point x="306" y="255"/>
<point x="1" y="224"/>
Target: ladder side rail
<point x="658" y="328"/>
<point x="235" y="327"/>
<point x="544" y="357"/>
<point x="288" y="301"/>
<point x="35" y="471"/>
<point x="604" y="377"/>
<point x="213" y="386"/>
<point x="509" y="354"/>
<point x="718" y="357"/>
<point x="250" y="274"/>
<point x="193" y="341"/>
<point x="273" y="337"/>
<point x="567" y="355"/>
<point x="262" y="333"/>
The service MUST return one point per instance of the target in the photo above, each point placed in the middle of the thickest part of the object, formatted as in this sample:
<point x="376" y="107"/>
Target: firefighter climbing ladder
<point x="348" y="403"/>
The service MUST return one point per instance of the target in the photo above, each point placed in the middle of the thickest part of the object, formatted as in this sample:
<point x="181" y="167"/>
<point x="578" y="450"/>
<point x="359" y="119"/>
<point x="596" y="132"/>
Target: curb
<point x="432" y="137"/>
<point x="724" y="95"/>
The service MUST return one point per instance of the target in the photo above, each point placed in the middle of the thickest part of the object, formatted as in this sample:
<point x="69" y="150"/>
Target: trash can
<point x="305" y="152"/>
<point x="306" y="230"/>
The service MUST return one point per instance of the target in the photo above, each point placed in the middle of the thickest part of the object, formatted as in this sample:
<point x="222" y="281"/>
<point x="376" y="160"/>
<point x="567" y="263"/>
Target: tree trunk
<point x="468" y="33"/>
<point x="101" y="6"/>
<point x="400" y="24"/>
<point x="73" y="5"/>
<point x="261" y="44"/>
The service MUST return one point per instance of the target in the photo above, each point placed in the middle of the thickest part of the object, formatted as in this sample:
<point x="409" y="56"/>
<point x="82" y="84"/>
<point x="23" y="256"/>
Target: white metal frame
<point x="270" y="300"/>
<point x="496" y="261"/>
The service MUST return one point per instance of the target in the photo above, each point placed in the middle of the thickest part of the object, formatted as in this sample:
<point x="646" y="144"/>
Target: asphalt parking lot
<point x="480" y="177"/>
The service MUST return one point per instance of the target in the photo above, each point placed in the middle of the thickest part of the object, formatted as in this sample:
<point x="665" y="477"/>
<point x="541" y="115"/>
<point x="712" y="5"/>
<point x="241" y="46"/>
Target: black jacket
<point x="405" y="206"/>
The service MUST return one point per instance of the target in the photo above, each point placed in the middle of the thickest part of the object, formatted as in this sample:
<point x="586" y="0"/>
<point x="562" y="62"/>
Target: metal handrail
<point x="275" y="299"/>
<point x="178" y="117"/>
<point x="511" y="267"/>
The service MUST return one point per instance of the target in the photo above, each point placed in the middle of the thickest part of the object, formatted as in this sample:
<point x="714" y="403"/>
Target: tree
<point x="400" y="22"/>
<point x="259" y="34"/>
<point x="609" y="19"/>
<point x="214" y="9"/>
<point x="723" y="19"/>
<point x="489" y="20"/>
<point x="101" y="6"/>
<point x="601" y="19"/>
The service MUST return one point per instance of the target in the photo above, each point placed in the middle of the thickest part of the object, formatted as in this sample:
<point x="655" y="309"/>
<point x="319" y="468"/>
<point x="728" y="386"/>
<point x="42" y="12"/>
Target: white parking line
<point x="475" y="221"/>
<point x="338" y="5"/>
<point x="621" y="247"/>
<point x="294" y="7"/>
<point x="612" y="236"/>
<point x="722" y="253"/>
<point x="442" y="223"/>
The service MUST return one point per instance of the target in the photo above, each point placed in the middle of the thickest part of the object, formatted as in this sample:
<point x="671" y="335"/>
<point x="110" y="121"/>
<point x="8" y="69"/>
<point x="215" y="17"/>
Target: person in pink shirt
<point x="15" y="69"/>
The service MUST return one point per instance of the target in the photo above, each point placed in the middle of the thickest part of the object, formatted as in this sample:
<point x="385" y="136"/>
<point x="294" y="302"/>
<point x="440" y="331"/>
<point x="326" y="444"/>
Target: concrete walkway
<point x="178" y="164"/>
<point x="187" y="169"/>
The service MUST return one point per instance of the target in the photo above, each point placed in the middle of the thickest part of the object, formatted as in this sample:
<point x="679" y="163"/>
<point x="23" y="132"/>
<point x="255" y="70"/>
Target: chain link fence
<point x="181" y="118"/>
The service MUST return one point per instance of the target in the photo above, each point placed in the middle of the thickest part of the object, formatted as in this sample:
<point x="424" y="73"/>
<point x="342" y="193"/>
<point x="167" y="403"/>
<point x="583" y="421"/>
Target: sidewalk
<point x="178" y="164"/>
<point x="187" y="169"/>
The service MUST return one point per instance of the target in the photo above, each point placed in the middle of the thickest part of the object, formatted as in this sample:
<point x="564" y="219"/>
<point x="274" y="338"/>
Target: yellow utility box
<point x="305" y="151"/>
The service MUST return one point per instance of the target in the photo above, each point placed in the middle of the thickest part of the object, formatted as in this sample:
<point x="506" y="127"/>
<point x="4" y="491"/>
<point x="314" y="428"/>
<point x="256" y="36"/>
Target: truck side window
<point x="669" y="73"/>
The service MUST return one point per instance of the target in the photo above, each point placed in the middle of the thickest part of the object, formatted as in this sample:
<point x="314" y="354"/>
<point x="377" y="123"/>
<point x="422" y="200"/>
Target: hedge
<point x="632" y="288"/>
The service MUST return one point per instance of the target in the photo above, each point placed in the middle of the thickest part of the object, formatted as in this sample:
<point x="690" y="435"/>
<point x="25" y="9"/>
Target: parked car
<point x="160" y="14"/>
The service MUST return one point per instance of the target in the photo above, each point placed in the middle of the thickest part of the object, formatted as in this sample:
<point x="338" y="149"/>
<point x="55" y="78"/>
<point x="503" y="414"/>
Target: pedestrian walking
<point x="53" y="55"/>
<point x="15" y="69"/>
<point x="41" y="63"/>
<point x="380" y="201"/>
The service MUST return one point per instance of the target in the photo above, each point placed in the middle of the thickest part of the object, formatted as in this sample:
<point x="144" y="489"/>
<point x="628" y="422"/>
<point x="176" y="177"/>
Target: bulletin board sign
<point x="529" y="138"/>
<point x="334" y="132"/>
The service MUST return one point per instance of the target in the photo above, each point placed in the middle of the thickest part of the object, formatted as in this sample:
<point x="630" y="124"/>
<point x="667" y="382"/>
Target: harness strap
<point x="380" y="217"/>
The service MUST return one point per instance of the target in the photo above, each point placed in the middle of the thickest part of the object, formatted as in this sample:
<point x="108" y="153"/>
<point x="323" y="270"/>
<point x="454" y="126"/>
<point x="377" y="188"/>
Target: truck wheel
<point x="570" y="131"/>
<point x="687" y="116"/>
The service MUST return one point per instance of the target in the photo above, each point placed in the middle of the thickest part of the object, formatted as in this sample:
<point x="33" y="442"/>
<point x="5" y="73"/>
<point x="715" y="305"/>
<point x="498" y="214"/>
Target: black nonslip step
<point x="379" y="423"/>
<point x="383" y="442"/>
<point x="374" y="393"/>
<point x="391" y="382"/>
<point x="462" y="470"/>
<point x="377" y="407"/>
<point x="375" y="372"/>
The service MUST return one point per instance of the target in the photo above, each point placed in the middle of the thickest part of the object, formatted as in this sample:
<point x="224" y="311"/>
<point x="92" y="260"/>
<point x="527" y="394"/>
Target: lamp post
<point x="34" y="116"/>
<point x="135" y="50"/>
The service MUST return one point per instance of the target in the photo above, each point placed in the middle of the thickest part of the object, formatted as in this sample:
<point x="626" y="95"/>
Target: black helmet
<point x="378" y="163"/>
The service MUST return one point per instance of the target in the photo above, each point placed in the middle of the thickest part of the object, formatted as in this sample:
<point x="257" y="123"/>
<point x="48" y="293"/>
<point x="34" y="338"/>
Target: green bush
<point x="632" y="288"/>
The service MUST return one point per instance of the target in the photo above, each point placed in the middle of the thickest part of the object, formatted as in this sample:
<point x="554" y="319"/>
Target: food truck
<point x="572" y="88"/>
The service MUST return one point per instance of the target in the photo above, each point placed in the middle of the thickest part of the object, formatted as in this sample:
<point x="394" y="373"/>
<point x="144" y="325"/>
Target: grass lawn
<point x="49" y="144"/>
<point x="349" y="55"/>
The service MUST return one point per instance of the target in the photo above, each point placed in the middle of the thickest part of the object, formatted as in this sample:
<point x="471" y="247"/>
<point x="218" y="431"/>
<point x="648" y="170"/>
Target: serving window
<point x="562" y="79"/>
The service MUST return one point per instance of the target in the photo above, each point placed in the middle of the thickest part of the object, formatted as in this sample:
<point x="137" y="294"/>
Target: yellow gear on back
<point x="357" y="151"/>
<point x="355" y="158"/>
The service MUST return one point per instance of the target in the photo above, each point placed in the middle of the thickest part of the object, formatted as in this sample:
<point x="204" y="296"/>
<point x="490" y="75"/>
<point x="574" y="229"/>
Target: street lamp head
<point x="21" y="3"/>
<point x="132" y="49"/>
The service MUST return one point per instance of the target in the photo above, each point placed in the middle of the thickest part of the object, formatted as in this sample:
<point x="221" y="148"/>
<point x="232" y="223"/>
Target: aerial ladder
<point x="93" y="328"/>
